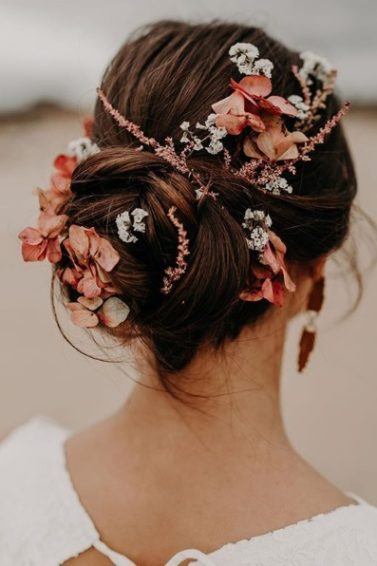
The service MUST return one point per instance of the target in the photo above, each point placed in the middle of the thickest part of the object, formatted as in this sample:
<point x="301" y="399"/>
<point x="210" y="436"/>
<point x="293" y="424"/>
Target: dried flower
<point x="82" y="148"/>
<point x="277" y="185"/>
<point x="299" y="104"/>
<point x="126" y="226"/>
<point x="244" y="54"/>
<point x="173" y="274"/>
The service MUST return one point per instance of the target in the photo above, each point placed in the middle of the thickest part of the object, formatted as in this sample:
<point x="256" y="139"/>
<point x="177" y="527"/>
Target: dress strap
<point x="116" y="558"/>
<point x="200" y="558"/>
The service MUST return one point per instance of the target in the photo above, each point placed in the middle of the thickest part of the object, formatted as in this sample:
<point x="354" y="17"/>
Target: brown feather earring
<point x="309" y="332"/>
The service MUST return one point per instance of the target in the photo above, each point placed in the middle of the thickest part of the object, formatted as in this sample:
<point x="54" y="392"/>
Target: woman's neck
<point x="227" y="400"/>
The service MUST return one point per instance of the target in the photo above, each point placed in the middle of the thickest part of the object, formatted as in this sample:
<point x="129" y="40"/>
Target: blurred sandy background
<point x="330" y="411"/>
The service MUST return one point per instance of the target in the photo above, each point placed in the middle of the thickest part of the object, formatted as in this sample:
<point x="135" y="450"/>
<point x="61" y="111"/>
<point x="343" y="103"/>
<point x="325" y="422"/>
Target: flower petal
<point x="253" y="85"/>
<point x="51" y="225"/>
<point x="234" y="125"/>
<point x="273" y="291"/>
<point x="282" y="105"/>
<point x="233" y="104"/>
<point x="255" y="122"/>
<point x="54" y="252"/>
<point x="290" y="153"/>
<point x="32" y="252"/>
<point x="82" y="317"/>
<point x="79" y="242"/>
<point x="113" y="312"/>
<point x="65" y="164"/>
<point x="250" y="149"/>
<point x="31" y="236"/>
<point x="265" y="144"/>
<point x="88" y="286"/>
<point x="91" y="304"/>
<point x="70" y="276"/>
<point x="106" y="256"/>
<point x="252" y="295"/>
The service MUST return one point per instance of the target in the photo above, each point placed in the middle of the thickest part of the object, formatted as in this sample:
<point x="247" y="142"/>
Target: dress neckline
<point x="198" y="556"/>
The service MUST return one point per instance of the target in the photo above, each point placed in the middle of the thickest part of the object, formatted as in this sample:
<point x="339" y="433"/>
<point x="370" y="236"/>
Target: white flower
<point x="316" y="66"/>
<point x="139" y="214"/>
<point x="299" y="104"/>
<point x="244" y="54"/>
<point x="126" y="226"/>
<point x="258" y="239"/>
<point x="258" y="223"/>
<point x="218" y="133"/>
<point x="263" y="67"/>
<point x="82" y="148"/>
<point x="215" y="147"/>
<point x="197" y="144"/>
<point x="184" y="138"/>
<point x="185" y="126"/>
<point x="277" y="185"/>
<point x="247" y="49"/>
<point x="211" y="120"/>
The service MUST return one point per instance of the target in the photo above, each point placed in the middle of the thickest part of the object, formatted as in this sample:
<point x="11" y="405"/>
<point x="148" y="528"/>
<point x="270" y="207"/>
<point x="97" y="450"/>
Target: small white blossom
<point x="315" y="66"/>
<point x="139" y="214"/>
<point x="185" y="138"/>
<point x="82" y="148"/>
<point x="185" y="126"/>
<point x="244" y="54"/>
<point x="299" y="104"/>
<point x="211" y="120"/>
<point x="263" y="67"/>
<point x="277" y="185"/>
<point x="215" y="147"/>
<point x="257" y="222"/>
<point x="126" y="226"/>
<point x="258" y="239"/>
<point x="197" y="144"/>
<point x="218" y="133"/>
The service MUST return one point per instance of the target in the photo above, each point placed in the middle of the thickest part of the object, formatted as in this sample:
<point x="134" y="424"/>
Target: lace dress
<point x="42" y="522"/>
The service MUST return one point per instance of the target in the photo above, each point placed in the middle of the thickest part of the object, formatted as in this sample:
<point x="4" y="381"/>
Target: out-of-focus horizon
<point x="57" y="51"/>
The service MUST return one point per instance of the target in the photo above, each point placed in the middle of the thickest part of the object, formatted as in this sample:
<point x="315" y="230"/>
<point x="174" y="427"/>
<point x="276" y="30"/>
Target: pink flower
<point x="271" y="275"/>
<point x="61" y="179"/>
<point x="93" y="258"/>
<point x="43" y="241"/>
<point x="275" y="143"/>
<point x="88" y="313"/>
<point x="244" y="106"/>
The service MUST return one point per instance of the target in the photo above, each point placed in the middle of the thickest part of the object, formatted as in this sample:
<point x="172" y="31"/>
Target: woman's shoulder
<point x="40" y="516"/>
<point x="346" y="535"/>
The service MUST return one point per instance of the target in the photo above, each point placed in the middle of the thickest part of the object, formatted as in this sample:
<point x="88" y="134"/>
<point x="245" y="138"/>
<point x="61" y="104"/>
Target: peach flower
<point x="244" y="106"/>
<point x="43" y="242"/>
<point x="93" y="258"/>
<point x="271" y="275"/>
<point x="275" y="143"/>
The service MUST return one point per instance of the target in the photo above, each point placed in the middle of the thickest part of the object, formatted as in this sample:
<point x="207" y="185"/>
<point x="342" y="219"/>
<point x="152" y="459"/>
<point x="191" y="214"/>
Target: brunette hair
<point x="168" y="73"/>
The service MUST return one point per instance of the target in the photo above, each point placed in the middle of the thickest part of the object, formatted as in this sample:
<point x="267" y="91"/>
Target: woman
<point x="192" y="222"/>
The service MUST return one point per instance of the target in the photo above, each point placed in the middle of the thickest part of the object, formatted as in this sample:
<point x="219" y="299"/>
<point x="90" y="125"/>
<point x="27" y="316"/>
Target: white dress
<point x="42" y="522"/>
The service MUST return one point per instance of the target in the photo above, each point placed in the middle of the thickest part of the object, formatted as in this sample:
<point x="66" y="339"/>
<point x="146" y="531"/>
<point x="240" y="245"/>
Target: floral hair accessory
<point x="268" y="266"/>
<point x="258" y="117"/>
<point x="245" y="55"/>
<point x="88" y="257"/>
<point x="127" y="226"/>
<point x="173" y="274"/>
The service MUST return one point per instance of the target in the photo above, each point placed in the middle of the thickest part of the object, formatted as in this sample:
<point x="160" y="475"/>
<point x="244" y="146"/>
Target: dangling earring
<point x="308" y="335"/>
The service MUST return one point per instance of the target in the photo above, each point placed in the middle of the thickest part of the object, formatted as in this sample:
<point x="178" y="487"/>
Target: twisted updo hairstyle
<point x="168" y="73"/>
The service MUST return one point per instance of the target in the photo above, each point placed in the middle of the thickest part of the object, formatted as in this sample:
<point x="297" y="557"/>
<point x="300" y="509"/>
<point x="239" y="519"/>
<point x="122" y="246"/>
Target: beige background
<point x="330" y="411"/>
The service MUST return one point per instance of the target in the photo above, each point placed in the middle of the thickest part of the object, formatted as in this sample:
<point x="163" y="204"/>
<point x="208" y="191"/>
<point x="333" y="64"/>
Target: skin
<point x="160" y="476"/>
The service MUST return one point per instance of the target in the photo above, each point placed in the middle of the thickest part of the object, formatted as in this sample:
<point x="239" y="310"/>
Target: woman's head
<point x="170" y="73"/>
